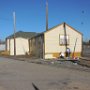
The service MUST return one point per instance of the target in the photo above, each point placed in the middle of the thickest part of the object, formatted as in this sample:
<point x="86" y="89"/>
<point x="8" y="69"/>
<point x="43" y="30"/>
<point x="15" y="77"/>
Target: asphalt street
<point x="19" y="75"/>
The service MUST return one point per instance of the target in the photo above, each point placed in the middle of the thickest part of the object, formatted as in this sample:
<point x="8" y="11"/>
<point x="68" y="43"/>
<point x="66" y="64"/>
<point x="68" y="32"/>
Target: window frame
<point x="63" y="40"/>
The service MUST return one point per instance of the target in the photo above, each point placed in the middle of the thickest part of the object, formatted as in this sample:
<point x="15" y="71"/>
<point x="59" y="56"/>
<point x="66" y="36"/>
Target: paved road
<point x="19" y="75"/>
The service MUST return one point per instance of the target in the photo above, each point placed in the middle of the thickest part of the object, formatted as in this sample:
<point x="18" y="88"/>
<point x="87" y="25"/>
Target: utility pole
<point x="46" y="15"/>
<point x="65" y="36"/>
<point x="14" y="18"/>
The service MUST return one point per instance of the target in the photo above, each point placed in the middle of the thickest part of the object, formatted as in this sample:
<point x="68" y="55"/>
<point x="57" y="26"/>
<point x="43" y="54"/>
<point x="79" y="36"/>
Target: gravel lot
<point x="19" y="75"/>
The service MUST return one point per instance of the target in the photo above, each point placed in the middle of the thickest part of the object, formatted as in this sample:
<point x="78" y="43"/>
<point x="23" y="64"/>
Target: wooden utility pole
<point x="65" y="36"/>
<point x="46" y="15"/>
<point x="14" y="18"/>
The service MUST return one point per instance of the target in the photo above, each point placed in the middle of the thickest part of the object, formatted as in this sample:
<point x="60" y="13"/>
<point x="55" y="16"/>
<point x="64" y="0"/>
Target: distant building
<point x="2" y="45"/>
<point x="50" y="43"/>
<point x="22" y="45"/>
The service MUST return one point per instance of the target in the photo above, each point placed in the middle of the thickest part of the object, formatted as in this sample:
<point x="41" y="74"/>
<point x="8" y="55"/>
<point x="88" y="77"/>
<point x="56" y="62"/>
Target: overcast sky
<point x="30" y="15"/>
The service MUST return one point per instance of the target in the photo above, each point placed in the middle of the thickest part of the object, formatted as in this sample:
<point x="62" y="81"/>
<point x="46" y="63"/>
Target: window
<point x="63" y="40"/>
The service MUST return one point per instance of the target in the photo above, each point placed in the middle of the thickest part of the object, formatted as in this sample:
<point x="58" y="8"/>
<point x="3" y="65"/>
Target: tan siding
<point x="22" y="46"/>
<point x="73" y="36"/>
<point x="8" y="46"/>
<point x="52" y="41"/>
<point x="11" y="47"/>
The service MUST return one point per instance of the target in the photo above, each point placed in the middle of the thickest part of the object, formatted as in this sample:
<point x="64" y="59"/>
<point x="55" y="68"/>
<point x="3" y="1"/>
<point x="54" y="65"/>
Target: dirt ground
<point x="19" y="75"/>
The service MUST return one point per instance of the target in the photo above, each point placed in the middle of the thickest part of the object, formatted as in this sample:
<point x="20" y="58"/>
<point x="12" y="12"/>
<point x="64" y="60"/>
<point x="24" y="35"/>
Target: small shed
<point x="50" y="43"/>
<point x="22" y="45"/>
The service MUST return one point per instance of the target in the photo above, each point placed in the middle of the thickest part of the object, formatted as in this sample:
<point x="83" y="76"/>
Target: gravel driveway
<point x="19" y="75"/>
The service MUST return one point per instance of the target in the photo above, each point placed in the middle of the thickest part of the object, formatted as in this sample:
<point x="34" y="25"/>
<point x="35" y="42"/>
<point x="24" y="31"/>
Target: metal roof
<point x="23" y="34"/>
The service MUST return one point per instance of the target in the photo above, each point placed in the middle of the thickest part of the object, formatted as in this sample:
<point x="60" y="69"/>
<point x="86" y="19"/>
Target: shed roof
<point x="23" y="34"/>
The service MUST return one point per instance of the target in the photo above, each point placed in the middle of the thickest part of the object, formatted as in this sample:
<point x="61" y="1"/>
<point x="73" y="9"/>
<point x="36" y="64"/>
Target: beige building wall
<point x="11" y="46"/>
<point x="73" y="35"/>
<point x="52" y="46"/>
<point x="22" y="46"/>
<point x="8" y="44"/>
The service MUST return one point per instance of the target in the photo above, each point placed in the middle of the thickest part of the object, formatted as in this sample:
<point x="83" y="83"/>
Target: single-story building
<point x="50" y="43"/>
<point x="22" y="45"/>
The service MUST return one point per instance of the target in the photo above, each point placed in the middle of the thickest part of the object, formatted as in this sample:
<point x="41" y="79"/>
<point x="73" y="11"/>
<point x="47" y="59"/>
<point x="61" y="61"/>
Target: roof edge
<point x="62" y="24"/>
